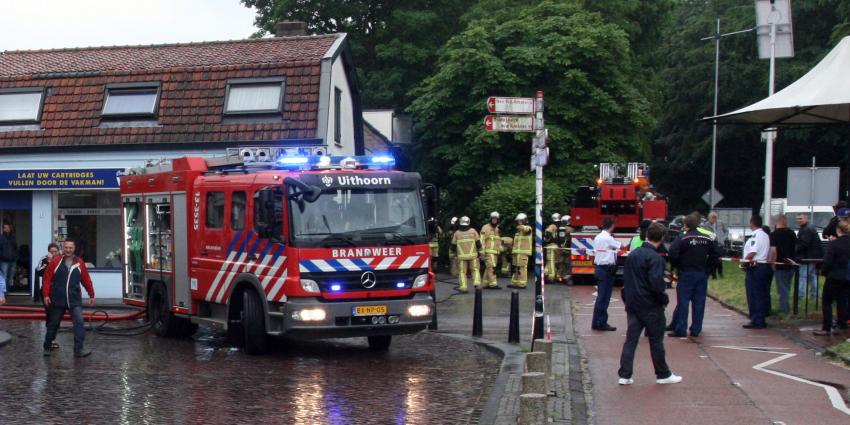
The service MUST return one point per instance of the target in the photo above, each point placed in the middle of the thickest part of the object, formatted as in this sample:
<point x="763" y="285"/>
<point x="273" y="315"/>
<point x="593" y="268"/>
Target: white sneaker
<point x="672" y="379"/>
<point x="626" y="381"/>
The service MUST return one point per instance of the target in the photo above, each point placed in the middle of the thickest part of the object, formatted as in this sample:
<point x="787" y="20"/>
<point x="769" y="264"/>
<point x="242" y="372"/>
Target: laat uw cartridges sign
<point x="99" y="178"/>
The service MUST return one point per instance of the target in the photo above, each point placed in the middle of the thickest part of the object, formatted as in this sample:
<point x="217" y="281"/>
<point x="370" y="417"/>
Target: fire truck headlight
<point x="310" y="286"/>
<point x="309" y="315"/>
<point x="419" y="310"/>
<point x="420" y="281"/>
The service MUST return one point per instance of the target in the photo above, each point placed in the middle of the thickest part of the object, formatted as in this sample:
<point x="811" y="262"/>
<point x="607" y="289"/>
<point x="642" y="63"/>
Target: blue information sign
<point x="100" y="178"/>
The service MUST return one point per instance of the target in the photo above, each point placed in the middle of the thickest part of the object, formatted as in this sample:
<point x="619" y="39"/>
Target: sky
<point x="50" y="24"/>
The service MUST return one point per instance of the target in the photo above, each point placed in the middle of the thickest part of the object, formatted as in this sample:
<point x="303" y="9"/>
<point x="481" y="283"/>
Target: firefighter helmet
<point x="494" y="214"/>
<point x="454" y="220"/>
<point x="565" y="219"/>
<point x="464" y="221"/>
<point x="556" y="217"/>
<point x="521" y="217"/>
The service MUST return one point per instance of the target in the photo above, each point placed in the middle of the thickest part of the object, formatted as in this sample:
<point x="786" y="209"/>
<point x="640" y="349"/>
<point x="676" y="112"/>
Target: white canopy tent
<point x="821" y="97"/>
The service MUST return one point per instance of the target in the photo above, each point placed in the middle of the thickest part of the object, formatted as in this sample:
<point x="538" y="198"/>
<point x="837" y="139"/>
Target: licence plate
<point x="583" y="263"/>
<point x="369" y="310"/>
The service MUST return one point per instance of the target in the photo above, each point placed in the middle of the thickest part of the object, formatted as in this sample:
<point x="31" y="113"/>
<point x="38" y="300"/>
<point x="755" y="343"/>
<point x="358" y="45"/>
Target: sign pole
<point x="771" y="133"/>
<point x="537" y="149"/>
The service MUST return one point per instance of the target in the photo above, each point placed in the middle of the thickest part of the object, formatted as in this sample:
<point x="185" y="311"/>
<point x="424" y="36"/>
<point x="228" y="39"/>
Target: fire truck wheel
<point x="253" y="323"/>
<point x="162" y="321"/>
<point x="380" y="342"/>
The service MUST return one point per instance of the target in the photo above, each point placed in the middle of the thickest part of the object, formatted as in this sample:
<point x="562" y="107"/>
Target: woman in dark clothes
<point x="837" y="286"/>
<point x="52" y="250"/>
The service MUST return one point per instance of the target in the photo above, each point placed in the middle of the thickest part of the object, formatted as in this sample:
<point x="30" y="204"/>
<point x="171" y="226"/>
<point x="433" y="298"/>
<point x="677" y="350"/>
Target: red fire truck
<point x="618" y="194"/>
<point x="310" y="247"/>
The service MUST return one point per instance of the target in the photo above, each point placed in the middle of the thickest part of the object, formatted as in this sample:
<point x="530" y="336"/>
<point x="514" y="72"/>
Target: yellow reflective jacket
<point x="490" y="239"/>
<point x="465" y="241"/>
<point x="522" y="240"/>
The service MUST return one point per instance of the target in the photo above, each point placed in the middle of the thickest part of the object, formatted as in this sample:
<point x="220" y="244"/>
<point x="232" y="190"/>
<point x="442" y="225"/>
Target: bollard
<point x="532" y="409"/>
<point x="534" y="382"/>
<point x="535" y="361"/>
<point x="513" y="325"/>
<point x="433" y="325"/>
<point x="546" y="347"/>
<point x="477" y="327"/>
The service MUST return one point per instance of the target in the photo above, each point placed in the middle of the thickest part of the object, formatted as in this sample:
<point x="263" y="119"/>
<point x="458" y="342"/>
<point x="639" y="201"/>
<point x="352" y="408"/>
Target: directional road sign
<point x="510" y="105"/>
<point x="707" y="197"/>
<point x="509" y="123"/>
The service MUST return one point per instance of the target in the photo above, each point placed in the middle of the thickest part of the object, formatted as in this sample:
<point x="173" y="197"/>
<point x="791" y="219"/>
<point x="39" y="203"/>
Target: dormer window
<point x="132" y="100"/>
<point x="254" y="96"/>
<point x="21" y="106"/>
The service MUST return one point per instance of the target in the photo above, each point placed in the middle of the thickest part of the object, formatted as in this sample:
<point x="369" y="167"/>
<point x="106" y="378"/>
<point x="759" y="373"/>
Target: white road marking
<point x="833" y="394"/>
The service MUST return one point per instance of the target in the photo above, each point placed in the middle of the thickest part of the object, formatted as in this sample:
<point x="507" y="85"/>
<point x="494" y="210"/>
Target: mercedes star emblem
<point x="368" y="280"/>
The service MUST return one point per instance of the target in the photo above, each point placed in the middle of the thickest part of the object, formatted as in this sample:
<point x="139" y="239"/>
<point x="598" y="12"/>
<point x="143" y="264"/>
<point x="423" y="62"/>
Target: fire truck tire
<point x="163" y="322"/>
<point x="380" y="342"/>
<point x="253" y="323"/>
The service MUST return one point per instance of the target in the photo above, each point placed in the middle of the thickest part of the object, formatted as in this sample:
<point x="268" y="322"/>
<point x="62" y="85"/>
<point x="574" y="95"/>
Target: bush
<point x="511" y="195"/>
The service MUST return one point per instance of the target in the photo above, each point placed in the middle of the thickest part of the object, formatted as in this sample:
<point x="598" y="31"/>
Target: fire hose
<point x="37" y="313"/>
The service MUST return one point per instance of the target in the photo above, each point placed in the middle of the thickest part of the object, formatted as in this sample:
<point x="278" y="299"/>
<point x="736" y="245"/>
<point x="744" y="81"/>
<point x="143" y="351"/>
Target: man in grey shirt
<point x="721" y="232"/>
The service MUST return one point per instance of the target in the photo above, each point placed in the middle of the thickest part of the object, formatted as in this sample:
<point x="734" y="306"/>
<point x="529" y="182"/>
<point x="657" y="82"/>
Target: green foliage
<point x="394" y="43"/>
<point x="511" y="195"/>
<point x="594" y="113"/>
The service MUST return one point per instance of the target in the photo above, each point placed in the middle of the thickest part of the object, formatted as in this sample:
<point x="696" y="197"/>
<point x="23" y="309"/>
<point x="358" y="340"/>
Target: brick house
<point x="71" y="119"/>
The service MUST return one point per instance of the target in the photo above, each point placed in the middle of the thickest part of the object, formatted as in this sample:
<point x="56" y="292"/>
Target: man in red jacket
<point x="61" y="291"/>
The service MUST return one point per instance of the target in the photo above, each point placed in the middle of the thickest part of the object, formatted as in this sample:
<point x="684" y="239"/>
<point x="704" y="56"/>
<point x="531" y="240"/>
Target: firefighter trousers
<point x="552" y="260"/>
<point x="505" y="260"/>
<point x="490" y="270"/>
<point x="453" y="265"/>
<point x="465" y="266"/>
<point x="520" y="277"/>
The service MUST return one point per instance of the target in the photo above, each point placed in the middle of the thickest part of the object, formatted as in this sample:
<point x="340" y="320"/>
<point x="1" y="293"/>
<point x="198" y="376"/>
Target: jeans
<point x="757" y="283"/>
<point x="783" y="288"/>
<point x="54" y="319"/>
<point x="835" y="291"/>
<point x="604" y="286"/>
<point x="8" y="270"/>
<point x="808" y="273"/>
<point x="653" y="321"/>
<point x="692" y="290"/>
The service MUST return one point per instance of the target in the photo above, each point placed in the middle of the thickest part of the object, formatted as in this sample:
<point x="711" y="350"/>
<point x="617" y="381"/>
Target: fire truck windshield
<point x="357" y="217"/>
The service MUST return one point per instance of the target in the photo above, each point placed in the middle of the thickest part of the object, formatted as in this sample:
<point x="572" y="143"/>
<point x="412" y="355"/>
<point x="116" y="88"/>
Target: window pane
<point x="19" y="106"/>
<point x="215" y="210"/>
<point x="237" y="211"/>
<point x="253" y="98"/>
<point x="91" y="218"/>
<point x="130" y="102"/>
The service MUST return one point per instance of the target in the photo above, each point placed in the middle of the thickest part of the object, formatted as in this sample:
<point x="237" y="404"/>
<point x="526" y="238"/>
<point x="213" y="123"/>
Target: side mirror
<point x="299" y="189"/>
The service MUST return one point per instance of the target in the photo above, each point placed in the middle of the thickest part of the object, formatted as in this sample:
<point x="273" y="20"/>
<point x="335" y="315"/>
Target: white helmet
<point x="454" y="220"/>
<point x="566" y="219"/>
<point x="464" y="221"/>
<point x="556" y="217"/>
<point x="494" y="214"/>
<point x="521" y="216"/>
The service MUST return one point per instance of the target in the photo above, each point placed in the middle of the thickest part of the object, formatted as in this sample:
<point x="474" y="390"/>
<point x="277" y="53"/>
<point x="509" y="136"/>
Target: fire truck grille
<point x="384" y="280"/>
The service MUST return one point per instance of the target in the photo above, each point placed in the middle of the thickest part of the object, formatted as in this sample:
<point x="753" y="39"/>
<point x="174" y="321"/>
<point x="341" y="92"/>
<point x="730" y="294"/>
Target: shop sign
<point x="102" y="178"/>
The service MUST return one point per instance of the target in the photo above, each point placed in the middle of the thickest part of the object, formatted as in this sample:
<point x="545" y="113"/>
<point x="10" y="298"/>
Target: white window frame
<point x="255" y="82"/>
<point x="25" y="90"/>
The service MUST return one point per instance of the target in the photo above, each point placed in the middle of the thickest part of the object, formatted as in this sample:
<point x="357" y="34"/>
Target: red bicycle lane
<point x="731" y="375"/>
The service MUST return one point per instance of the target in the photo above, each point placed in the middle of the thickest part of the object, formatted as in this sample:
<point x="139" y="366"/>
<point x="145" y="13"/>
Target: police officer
<point x="491" y="241"/>
<point x="564" y="240"/>
<point x="467" y="245"/>
<point x="551" y="246"/>
<point x="505" y="255"/>
<point x="694" y="254"/>
<point x="521" y="252"/>
<point x="452" y="253"/>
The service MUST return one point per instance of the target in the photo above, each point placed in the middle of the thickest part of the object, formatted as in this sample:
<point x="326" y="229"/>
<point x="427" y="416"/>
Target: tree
<point x="582" y="64"/>
<point x="510" y="195"/>
<point x="393" y="43"/>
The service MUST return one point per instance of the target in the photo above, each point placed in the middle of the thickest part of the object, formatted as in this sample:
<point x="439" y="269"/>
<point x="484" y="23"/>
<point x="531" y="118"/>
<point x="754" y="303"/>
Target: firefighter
<point x="491" y="242"/>
<point x="452" y="253"/>
<point x="505" y="255"/>
<point x="521" y="251"/>
<point x="564" y="242"/>
<point x="434" y="246"/>
<point x="467" y="245"/>
<point x="552" y="253"/>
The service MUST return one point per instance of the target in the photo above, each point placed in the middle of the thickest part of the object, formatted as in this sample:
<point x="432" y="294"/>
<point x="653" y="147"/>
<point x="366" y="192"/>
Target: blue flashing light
<point x="383" y="159"/>
<point x="336" y="287"/>
<point x="400" y="285"/>
<point x="293" y="161"/>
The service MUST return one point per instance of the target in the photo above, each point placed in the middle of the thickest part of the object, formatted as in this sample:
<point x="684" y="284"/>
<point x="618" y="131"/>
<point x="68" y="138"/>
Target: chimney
<point x="290" y="29"/>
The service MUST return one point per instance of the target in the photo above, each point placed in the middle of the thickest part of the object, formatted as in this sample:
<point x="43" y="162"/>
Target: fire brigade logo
<point x="368" y="280"/>
<point x="327" y="180"/>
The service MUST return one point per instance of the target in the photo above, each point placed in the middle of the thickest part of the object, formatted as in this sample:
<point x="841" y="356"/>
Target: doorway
<point x="16" y="212"/>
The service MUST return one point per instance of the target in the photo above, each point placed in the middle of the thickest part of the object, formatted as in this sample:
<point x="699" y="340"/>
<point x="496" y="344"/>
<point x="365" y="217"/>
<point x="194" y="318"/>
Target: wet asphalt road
<point x="423" y="379"/>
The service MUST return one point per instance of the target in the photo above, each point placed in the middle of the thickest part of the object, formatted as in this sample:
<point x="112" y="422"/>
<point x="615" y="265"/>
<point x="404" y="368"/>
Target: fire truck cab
<point x="309" y="247"/>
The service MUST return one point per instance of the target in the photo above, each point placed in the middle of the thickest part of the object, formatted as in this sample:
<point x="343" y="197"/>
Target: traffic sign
<point x="509" y="123"/>
<point x="511" y="105"/>
<point x="707" y="197"/>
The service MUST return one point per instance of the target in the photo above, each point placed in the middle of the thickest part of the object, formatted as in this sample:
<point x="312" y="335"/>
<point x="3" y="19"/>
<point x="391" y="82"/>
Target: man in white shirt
<point x="759" y="275"/>
<point x="605" y="262"/>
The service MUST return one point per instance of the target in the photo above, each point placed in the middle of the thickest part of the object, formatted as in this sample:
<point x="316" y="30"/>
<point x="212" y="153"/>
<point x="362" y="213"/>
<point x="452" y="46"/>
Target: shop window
<point x="20" y="105"/>
<point x="215" y="210"/>
<point x="136" y="100"/>
<point x="254" y="96"/>
<point x="91" y="219"/>
<point x="237" y="211"/>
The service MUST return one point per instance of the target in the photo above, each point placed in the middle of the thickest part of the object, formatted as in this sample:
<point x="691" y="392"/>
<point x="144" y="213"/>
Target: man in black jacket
<point x="8" y="255"/>
<point x="809" y="248"/>
<point x="645" y="298"/>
